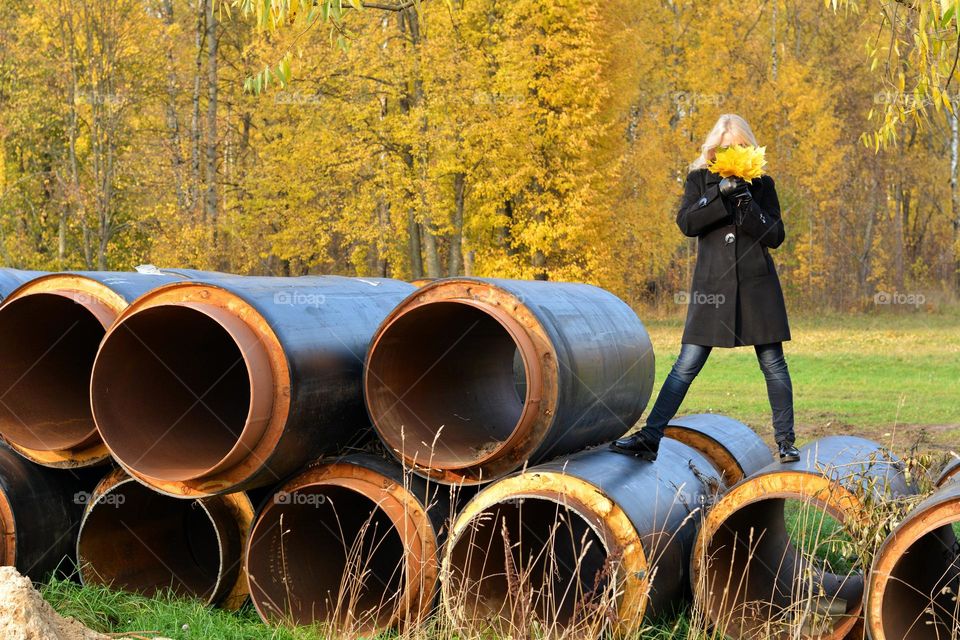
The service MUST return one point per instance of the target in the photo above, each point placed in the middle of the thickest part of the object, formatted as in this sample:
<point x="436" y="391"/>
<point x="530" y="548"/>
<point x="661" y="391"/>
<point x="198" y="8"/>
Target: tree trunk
<point x="416" y="257"/>
<point x="955" y="198"/>
<point x="213" y="44"/>
<point x="173" y="120"/>
<point x="195" y="133"/>
<point x="455" y="260"/>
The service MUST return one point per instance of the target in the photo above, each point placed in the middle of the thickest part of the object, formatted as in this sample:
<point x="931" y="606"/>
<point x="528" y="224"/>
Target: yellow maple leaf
<point x="741" y="160"/>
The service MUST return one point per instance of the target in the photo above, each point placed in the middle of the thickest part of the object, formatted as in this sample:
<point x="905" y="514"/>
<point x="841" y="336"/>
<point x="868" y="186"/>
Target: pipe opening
<point x="921" y="598"/>
<point x="449" y="366"/>
<point x="778" y="564"/>
<point x="171" y="380"/>
<point x="141" y="541"/>
<point x="48" y="344"/>
<point x="327" y="554"/>
<point x="527" y="560"/>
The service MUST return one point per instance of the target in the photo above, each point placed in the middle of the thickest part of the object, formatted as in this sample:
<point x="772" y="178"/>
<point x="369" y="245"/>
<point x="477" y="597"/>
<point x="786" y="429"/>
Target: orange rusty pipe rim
<point x="925" y="519"/>
<point x="8" y="533"/>
<point x="237" y="504"/>
<point x="269" y="377"/>
<point x="409" y="519"/>
<point x="105" y="305"/>
<point x="540" y="366"/>
<point x="603" y="515"/>
<point x="811" y="488"/>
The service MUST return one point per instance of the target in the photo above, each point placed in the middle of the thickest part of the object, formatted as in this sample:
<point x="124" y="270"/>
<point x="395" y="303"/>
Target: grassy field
<point x="892" y="378"/>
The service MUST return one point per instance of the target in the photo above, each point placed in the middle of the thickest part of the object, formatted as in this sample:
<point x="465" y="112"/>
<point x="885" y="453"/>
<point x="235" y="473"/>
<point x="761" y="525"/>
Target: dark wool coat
<point x="735" y="298"/>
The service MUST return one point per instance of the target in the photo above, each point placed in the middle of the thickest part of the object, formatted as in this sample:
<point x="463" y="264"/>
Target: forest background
<point x="509" y="138"/>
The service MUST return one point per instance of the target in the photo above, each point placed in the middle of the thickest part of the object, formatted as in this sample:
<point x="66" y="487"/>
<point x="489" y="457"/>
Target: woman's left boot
<point x="642" y="444"/>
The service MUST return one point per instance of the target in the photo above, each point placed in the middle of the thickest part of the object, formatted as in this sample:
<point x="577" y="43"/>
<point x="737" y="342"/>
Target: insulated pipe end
<point x="133" y="538"/>
<point x="743" y="562"/>
<point x="466" y="575"/>
<point x="325" y="527"/>
<point x="461" y="381"/>
<point x="914" y="583"/>
<point x="190" y="390"/>
<point x="50" y="328"/>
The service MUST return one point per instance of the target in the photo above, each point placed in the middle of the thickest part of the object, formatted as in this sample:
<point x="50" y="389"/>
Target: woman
<point x="736" y="298"/>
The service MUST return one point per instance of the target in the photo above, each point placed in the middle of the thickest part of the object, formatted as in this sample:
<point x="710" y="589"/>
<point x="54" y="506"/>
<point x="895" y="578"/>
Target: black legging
<point x="688" y="365"/>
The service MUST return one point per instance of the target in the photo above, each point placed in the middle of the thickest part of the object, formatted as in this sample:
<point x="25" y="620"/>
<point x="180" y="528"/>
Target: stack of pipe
<point x="200" y="392"/>
<point x="465" y="380"/>
<point x="215" y="392"/>
<point x="592" y="526"/>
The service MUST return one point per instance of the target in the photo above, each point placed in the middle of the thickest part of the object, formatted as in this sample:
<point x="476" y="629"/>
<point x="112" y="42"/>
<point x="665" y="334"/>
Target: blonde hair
<point x="730" y="129"/>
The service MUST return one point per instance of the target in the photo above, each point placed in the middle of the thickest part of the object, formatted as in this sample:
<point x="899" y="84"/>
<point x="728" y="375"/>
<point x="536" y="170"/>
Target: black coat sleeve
<point x="699" y="212"/>
<point x="760" y="217"/>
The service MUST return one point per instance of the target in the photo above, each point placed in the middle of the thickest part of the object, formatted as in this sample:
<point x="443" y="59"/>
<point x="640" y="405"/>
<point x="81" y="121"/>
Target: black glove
<point x="736" y="190"/>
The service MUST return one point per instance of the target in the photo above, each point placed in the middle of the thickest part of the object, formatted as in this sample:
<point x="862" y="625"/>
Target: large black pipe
<point x="913" y="589"/>
<point x="468" y="378"/>
<point x="750" y="577"/>
<point x="597" y="530"/>
<point x="201" y="388"/>
<point x="10" y="279"/>
<point x="39" y="514"/>
<point x="351" y="542"/>
<point x="138" y="540"/>
<point x="50" y="329"/>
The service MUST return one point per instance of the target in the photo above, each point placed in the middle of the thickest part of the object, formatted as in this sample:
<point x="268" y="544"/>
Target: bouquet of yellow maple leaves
<point x="741" y="160"/>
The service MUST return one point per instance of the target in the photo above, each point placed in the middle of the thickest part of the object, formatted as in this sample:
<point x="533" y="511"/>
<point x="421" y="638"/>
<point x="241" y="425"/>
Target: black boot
<point x="788" y="452"/>
<point x="641" y="444"/>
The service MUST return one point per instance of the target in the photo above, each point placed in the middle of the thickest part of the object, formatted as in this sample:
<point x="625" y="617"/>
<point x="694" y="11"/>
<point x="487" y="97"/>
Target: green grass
<point x="891" y="378"/>
<point x="115" y="612"/>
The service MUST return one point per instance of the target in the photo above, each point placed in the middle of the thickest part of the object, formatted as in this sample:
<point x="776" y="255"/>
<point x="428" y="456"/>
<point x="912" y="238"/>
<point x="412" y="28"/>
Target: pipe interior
<point x="764" y="578"/>
<point x="48" y="344"/>
<point x="452" y="366"/>
<point x="141" y="541"/>
<point x="171" y="392"/>
<point x="327" y="554"/>
<point x="554" y="554"/>
<point x="921" y="597"/>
